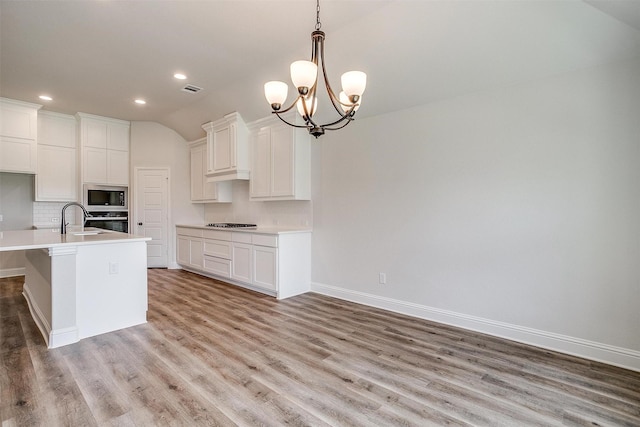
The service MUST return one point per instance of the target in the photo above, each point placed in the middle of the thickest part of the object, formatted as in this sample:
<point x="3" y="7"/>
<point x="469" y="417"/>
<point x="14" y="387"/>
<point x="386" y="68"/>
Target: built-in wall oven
<point x="108" y="206"/>
<point x="109" y="220"/>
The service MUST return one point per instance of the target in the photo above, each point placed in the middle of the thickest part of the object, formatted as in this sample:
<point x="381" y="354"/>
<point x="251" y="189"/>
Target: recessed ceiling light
<point x="140" y="101"/>
<point x="179" y="76"/>
<point x="45" y="98"/>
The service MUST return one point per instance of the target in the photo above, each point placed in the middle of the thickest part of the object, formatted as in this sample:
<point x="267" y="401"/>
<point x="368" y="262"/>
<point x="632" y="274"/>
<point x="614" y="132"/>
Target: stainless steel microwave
<point x="105" y="198"/>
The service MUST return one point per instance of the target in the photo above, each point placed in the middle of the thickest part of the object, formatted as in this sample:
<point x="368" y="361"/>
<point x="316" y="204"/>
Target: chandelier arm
<point x="312" y="95"/>
<point x="277" y="113"/>
<point x="286" y="109"/>
<point x="339" y="127"/>
<point x="347" y="116"/>
<point x="308" y="120"/>
<point x="332" y="96"/>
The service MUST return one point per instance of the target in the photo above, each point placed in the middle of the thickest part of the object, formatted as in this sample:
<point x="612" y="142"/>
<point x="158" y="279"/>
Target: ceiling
<point x="98" y="56"/>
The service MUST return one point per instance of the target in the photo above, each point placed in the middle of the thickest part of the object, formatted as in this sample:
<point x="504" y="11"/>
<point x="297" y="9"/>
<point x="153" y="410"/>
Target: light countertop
<point x="48" y="238"/>
<point x="260" y="229"/>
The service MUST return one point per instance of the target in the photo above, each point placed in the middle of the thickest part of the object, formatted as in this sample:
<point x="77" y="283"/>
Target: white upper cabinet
<point x="201" y="190"/>
<point x="18" y="136"/>
<point x="56" y="129"/>
<point x="104" y="143"/>
<point x="56" y="178"/>
<point x="227" y="149"/>
<point x="280" y="162"/>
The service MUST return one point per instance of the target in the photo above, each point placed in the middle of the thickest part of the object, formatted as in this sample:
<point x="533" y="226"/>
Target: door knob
<point x="139" y="223"/>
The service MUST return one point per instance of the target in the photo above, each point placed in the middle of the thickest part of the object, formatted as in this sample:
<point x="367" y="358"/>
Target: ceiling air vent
<point x="191" y="89"/>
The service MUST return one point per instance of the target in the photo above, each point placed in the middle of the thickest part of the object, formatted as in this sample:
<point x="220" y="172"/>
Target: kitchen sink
<point x="89" y="232"/>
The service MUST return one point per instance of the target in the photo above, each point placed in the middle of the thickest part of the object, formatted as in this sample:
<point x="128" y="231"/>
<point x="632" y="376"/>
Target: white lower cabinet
<point x="277" y="264"/>
<point x="265" y="267"/>
<point x="241" y="266"/>
<point x="217" y="253"/>
<point x="190" y="248"/>
<point x="217" y="266"/>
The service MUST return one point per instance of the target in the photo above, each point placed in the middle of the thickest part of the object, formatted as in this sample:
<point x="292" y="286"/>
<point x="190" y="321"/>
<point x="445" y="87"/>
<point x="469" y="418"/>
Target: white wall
<point x="154" y="145"/>
<point x="16" y="207"/>
<point x="514" y="211"/>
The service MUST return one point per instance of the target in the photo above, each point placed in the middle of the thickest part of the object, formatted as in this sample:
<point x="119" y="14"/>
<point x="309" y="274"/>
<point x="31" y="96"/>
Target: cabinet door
<point x="217" y="248"/>
<point x="118" y="137"/>
<point x="18" y="155"/>
<point x="117" y="167"/>
<point x="95" y="165"/>
<point x="183" y="251"/>
<point x="196" y="256"/>
<point x="265" y="267"/>
<point x="18" y="121"/>
<point x="219" y="266"/>
<point x="56" y="129"/>
<point x="209" y="189"/>
<point x="94" y="133"/>
<point x="282" y="161"/>
<point x="241" y="265"/>
<point x="201" y="190"/>
<point x="197" y="173"/>
<point x="223" y="151"/>
<point x="261" y="164"/>
<point x="56" y="178"/>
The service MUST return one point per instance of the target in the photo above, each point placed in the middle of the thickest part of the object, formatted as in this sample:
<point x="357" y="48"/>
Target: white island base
<point x="78" y="291"/>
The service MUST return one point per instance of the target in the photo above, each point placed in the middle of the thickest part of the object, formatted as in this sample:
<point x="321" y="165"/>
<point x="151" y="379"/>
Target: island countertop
<point x="38" y="239"/>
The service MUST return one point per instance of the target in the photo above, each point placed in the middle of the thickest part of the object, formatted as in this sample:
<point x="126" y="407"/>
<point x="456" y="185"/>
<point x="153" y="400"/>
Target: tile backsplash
<point x="48" y="214"/>
<point x="295" y="213"/>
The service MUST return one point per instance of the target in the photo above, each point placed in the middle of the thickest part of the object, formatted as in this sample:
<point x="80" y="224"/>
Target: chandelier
<point x="304" y="75"/>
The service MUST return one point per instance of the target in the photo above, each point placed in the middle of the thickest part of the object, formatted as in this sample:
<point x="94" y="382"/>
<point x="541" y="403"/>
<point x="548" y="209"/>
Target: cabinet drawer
<point x="219" y="266"/>
<point x="218" y="235"/>
<point x="193" y="232"/>
<point x="265" y="240"/>
<point x="218" y="248"/>
<point x="241" y="237"/>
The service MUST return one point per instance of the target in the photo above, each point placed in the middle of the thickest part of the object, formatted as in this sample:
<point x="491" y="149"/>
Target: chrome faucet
<point x="63" y="226"/>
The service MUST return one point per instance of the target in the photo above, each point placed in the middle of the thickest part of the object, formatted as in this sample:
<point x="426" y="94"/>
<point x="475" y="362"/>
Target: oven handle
<point x="106" y="218"/>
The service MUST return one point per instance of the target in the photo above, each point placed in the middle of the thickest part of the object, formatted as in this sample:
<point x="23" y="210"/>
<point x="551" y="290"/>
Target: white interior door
<point x="152" y="219"/>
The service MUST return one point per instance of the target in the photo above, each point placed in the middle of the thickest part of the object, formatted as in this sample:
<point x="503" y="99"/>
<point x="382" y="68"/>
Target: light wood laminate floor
<point x="215" y="354"/>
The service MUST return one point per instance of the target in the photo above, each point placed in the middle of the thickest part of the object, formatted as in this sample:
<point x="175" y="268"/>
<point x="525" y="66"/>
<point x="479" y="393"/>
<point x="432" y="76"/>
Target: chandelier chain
<point x="318" y="24"/>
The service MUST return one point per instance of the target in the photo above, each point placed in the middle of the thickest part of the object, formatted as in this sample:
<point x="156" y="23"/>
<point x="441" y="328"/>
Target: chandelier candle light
<point x="304" y="75"/>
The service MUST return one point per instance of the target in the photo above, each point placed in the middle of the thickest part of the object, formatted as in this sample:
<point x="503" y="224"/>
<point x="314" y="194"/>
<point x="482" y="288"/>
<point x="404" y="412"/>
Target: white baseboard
<point x="64" y="336"/>
<point x="617" y="356"/>
<point x="12" y="272"/>
<point x="53" y="338"/>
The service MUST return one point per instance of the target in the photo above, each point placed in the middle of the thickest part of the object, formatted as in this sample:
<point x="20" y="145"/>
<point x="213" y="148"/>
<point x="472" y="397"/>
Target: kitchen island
<point x="82" y="283"/>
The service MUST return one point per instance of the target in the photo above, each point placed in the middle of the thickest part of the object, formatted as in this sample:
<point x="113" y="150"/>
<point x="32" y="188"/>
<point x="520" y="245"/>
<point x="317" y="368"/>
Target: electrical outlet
<point x="55" y="219"/>
<point x="382" y="278"/>
<point x="113" y="268"/>
<point x="1" y="218"/>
